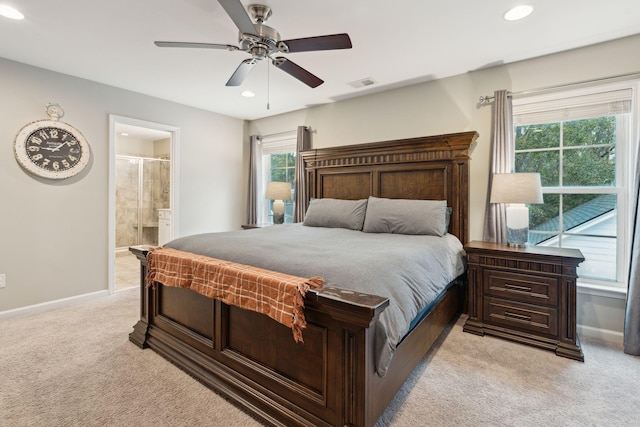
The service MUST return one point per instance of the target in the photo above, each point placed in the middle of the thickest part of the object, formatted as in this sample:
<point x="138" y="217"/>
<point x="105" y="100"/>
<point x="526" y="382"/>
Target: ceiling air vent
<point x="362" y="83"/>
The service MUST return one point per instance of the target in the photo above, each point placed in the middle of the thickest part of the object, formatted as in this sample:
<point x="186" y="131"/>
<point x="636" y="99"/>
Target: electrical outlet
<point x="3" y="280"/>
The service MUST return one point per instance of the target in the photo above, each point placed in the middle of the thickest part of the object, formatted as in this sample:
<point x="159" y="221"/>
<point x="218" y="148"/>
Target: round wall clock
<point x="50" y="148"/>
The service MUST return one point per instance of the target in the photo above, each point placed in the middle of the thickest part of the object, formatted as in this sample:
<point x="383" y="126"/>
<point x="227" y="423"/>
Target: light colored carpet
<point x="74" y="366"/>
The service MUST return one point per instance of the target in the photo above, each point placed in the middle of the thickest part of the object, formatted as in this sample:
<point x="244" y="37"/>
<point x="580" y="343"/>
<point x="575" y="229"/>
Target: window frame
<point x="625" y="166"/>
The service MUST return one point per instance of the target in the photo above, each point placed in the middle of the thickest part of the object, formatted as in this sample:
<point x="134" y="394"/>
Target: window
<point x="581" y="143"/>
<point x="278" y="164"/>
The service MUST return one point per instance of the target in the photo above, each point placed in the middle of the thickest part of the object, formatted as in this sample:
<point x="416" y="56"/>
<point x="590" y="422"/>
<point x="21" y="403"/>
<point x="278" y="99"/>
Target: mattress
<point x="412" y="271"/>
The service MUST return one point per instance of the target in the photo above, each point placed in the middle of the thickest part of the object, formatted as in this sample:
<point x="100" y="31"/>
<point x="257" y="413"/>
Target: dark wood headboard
<point x="432" y="167"/>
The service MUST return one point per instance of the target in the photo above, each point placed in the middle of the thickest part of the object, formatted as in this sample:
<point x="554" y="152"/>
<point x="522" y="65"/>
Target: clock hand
<point x="58" y="147"/>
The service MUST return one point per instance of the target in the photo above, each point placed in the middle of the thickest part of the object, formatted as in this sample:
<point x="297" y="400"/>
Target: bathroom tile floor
<point x="127" y="270"/>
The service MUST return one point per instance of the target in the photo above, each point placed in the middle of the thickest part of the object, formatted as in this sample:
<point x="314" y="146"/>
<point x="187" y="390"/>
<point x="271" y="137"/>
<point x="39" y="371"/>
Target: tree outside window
<point x="588" y="154"/>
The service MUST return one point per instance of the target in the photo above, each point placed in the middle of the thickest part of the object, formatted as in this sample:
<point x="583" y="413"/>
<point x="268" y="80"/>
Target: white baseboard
<point x="50" y="305"/>
<point x="600" y="334"/>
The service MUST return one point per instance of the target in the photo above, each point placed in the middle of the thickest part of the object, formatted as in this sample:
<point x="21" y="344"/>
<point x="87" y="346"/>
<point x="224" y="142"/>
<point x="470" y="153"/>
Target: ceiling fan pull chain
<point x="268" y="78"/>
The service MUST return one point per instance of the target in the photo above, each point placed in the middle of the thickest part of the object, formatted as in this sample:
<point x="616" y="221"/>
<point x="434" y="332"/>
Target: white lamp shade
<point x="516" y="188"/>
<point x="278" y="191"/>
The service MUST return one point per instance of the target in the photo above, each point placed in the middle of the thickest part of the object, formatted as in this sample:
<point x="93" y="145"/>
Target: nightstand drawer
<point x="521" y="287"/>
<point x="539" y="320"/>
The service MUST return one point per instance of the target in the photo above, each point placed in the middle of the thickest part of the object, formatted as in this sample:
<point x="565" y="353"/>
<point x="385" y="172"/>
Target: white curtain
<point x="632" y="314"/>
<point x="255" y="159"/>
<point x="303" y="143"/>
<point x="502" y="161"/>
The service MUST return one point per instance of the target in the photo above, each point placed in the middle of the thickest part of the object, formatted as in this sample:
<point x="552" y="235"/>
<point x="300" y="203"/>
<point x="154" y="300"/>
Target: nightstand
<point x="525" y="294"/>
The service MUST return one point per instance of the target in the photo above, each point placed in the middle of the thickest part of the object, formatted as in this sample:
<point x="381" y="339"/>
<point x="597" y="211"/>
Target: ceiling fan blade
<point x="330" y="42"/>
<point x="239" y="16"/>
<point x="197" y="45"/>
<point x="241" y="72"/>
<point x="297" y="71"/>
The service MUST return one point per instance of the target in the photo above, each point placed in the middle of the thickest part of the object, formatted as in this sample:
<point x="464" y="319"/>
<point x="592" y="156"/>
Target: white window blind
<point x="279" y="144"/>
<point x="574" y="108"/>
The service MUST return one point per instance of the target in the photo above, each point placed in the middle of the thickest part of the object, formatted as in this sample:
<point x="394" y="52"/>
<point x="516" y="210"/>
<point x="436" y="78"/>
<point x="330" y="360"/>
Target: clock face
<point x="52" y="149"/>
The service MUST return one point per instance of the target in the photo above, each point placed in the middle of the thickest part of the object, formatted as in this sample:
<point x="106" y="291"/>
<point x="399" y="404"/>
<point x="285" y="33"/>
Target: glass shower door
<point x="127" y="218"/>
<point x="142" y="188"/>
<point x="155" y="195"/>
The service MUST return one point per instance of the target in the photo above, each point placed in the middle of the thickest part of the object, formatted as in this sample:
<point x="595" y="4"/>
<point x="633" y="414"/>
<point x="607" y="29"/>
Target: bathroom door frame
<point x="115" y="120"/>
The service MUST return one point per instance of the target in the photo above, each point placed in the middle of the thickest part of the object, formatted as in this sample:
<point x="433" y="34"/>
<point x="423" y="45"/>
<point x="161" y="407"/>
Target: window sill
<point x="601" y="291"/>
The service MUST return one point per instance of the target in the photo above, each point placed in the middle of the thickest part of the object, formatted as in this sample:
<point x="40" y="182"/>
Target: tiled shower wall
<point x="155" y="195"/>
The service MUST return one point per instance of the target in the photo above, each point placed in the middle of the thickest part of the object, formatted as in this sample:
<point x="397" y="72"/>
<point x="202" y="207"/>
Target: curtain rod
<point x="285" y="133"/>
<point x="275" y="135"/>
<point x="487" y="99"/>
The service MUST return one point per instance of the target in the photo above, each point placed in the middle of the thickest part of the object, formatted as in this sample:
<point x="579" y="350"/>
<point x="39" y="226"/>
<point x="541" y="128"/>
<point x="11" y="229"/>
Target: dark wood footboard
<point x="329" y="380"/>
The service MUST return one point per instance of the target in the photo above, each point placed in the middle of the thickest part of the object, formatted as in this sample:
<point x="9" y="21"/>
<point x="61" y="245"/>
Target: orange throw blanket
<point x="278" y="295"/>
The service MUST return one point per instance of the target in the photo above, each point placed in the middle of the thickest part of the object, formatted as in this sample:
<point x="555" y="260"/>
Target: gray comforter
<point x="410" y="270"/>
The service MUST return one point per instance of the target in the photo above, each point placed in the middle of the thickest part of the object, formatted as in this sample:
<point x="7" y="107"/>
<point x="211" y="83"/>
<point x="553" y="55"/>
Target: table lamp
<point x="516" y="189"/>
<point x="278" y="192"/>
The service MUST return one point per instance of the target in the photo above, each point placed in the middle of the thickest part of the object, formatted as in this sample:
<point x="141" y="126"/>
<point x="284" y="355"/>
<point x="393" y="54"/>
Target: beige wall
<point x="54" y="235"/>
<point x="451" y="105"/>
<point x="136" y="147"/>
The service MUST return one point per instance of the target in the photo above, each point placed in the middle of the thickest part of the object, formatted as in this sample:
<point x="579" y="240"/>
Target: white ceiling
<point x="395" y="43"/>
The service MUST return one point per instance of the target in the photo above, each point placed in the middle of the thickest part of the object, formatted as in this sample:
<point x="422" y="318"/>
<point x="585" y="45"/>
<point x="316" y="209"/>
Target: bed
<point x="334" y="378"/>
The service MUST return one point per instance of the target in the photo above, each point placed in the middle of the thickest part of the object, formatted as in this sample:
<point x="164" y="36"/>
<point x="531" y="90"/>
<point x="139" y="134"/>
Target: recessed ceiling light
<point x="518" y="12"/>
<point x="248" y="94"/>
<point x="9" y="12"/>
<point x="124" y="134"/>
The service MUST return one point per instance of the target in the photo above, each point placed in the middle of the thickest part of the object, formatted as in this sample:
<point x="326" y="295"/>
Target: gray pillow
<point x="403" y="216"/>
<point x="336" y="213"/>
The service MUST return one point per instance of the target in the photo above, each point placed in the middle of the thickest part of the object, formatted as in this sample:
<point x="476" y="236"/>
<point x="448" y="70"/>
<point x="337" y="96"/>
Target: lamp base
<point x="278" y="212"/>
<point x="278" y="218"/>
<point x="516" y="245"/>
<point x="517" y="237"/>
<point x="517" y="225"/>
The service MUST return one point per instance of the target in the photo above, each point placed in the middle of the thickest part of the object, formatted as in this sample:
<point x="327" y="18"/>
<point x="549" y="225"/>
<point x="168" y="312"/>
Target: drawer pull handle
<point x="517" y="288"/>
<point x="517" y="316"/>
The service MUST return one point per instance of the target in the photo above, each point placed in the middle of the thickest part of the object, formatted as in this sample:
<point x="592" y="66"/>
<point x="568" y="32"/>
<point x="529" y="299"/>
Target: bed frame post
<point x="358" y="314"/>
<point x="140" y="329"/>
<point x="355" y="393"/>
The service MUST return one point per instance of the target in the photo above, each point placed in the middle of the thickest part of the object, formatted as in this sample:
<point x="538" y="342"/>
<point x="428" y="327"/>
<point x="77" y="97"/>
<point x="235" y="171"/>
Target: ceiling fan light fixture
<point x="10" y="12"/>
<point x="518" y="12"/>
<point x="248" y="94"/>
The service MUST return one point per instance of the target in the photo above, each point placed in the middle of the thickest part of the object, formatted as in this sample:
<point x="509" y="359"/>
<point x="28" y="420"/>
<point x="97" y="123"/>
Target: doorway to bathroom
<point x="143" y="196"/>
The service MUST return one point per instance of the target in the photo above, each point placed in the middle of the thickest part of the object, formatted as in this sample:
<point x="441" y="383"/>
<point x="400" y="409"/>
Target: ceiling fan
<point x="264" y="42"/>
